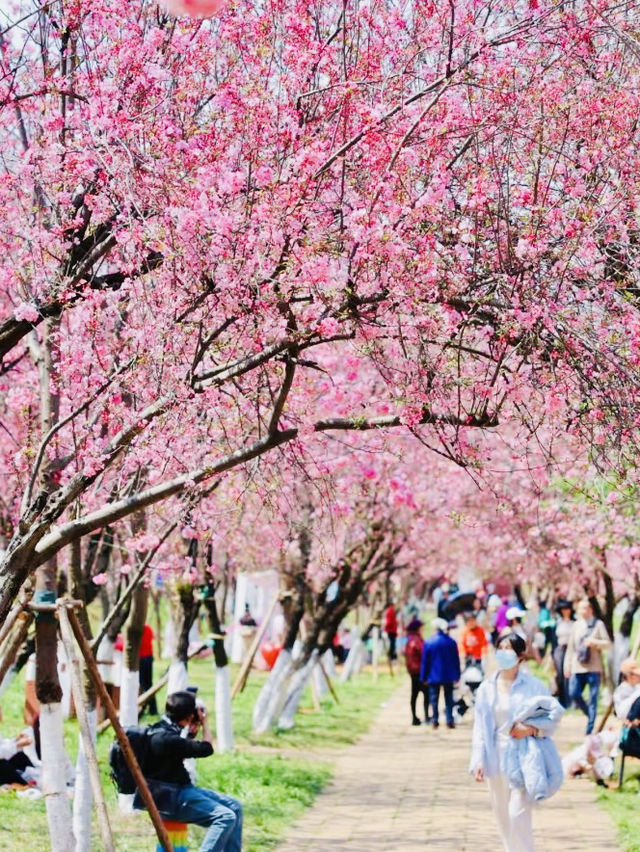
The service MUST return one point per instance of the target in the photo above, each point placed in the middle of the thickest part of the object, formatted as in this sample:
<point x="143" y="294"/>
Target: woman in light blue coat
<point x="514" y="718"/>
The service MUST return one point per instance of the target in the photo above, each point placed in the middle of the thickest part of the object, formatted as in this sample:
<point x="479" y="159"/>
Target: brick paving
<point x="402" y="788"/>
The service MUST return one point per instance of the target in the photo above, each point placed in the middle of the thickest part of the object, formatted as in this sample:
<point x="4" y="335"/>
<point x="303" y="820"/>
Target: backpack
<point x="413" y="654"/>
<point x="140" y="741"/>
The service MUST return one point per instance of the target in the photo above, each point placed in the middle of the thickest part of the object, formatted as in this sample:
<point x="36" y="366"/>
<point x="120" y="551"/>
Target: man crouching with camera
<point x="171" y="741"/>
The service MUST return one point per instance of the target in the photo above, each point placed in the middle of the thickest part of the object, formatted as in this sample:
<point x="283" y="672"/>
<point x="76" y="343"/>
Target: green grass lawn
<point x="274" y="788"/>
<point x="623" y="807"/>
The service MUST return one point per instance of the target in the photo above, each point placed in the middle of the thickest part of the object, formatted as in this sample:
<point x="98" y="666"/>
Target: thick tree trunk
<point x="273" y="694"/>
<point x="83" y="797"/>
<point x="353" y="663"/>
<point x="54" y="778"/>
<point x="130" y="683"/>
<point x="178" y="677"/>
<point x="131" y="663"/>
<point x="49" y="693"/>
<point x="319" y="680"/>
<point x="184" y="611"/>
<point x="224" y="715"/>
<point x="295" y="691"/>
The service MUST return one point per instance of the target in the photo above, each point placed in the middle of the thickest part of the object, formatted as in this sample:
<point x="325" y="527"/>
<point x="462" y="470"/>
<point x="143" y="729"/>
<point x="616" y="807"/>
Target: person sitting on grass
<point x="13" y="761"/>
<point x="172" y="740"/>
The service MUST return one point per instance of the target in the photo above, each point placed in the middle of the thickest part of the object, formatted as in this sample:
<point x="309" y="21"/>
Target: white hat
<point x="515" y="612"/>
<point x="440" y="624"/>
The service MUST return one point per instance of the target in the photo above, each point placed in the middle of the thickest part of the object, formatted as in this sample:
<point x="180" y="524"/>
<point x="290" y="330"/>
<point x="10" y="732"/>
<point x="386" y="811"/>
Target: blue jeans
<point x="577" y="683"/>
<point x="434" y="696"/>
<point x="222" y="815"/>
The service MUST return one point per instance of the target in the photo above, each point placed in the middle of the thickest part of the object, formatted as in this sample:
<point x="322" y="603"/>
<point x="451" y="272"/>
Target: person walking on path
<point x="391" y="629"/>
<point x="146" y="669"/>
<point x="564" y="628"/>
<point x="547" y="626"/>
<point x="413" y="658"/>
<point x="510" y="706"/>
<point x="583" y="660"/>
<point x="473" y="641"/>
<point x="440" y="667"/>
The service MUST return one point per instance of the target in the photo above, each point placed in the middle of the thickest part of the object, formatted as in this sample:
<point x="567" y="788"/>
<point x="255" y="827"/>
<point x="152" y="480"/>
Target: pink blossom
<point x="194" y="8"/>
<point x="26" y="312"/>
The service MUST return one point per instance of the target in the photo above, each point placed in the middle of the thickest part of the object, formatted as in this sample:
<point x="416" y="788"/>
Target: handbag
<point x="583" y="651"/>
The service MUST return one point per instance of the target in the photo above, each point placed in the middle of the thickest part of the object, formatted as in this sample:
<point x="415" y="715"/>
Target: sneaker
<point x="416" y="721"/>
<point x="436" y="725"/>
<point x="451" y="724"/>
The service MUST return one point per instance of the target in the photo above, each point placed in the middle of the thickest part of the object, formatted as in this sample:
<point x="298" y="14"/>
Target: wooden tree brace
<point x="13" y="645"/>
<point x="127" y="751"/>
<point x="243" y="674"/>
<point x="11" y="619"/>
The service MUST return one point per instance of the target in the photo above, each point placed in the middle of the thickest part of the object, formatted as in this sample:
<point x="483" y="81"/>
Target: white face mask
<point x="506" y="658"/>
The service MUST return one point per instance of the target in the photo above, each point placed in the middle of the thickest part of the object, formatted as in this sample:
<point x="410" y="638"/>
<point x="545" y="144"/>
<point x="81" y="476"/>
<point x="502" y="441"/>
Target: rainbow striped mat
<point x="178" y="835"/>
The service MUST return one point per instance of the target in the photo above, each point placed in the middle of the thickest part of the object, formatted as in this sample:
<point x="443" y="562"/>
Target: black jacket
<point x="167" y="750"/>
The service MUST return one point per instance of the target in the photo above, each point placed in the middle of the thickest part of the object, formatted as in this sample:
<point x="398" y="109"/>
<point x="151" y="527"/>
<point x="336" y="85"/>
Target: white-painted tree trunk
<point x="224" y="717"/>
<point x="105" y="659"/>
<point x="352" y="663"/>
<point x="268" y="701"/>
<point x="54" y="778"/>
<point x="129" y="687"/>
<point x="329" y="663"/>
<point x="297" y="649"/>
<point x="319" y="680"/>
<point x="83" y="798"/>
<point x="178" y="677"/>
<point x="237" y="644"/>
<point x="297" y="685"/>
<point x="621" y="650"/>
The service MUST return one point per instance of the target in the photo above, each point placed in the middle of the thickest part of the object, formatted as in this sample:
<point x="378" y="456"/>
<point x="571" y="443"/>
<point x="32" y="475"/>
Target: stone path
<point x="403" y="788"/>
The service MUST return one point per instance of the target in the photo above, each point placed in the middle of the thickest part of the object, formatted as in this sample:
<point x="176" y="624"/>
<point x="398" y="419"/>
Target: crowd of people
<point x="515" y="713"/>
<point x="480" y="651"/>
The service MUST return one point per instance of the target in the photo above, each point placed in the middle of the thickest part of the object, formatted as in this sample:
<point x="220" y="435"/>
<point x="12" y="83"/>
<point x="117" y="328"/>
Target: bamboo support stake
<point x="127" y="751"/>
<point x="13" y="646"/>
<point x="85" y="731"/>
<point x="315" y="698"/>
<point x="605" y="717"/>
<point x="328" y="680"/>
<point x="243" y="674"/>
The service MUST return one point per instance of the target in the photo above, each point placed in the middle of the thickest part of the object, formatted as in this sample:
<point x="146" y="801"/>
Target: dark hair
<point x="180" y="706"/>
<point x="517" y="643"/>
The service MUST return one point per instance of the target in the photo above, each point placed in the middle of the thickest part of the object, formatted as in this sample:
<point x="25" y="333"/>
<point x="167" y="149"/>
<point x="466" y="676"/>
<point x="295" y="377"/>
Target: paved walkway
<point x="403" y="788"/>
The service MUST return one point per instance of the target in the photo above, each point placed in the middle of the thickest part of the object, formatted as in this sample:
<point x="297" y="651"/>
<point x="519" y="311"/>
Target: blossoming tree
<point x="223" y="237"/>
